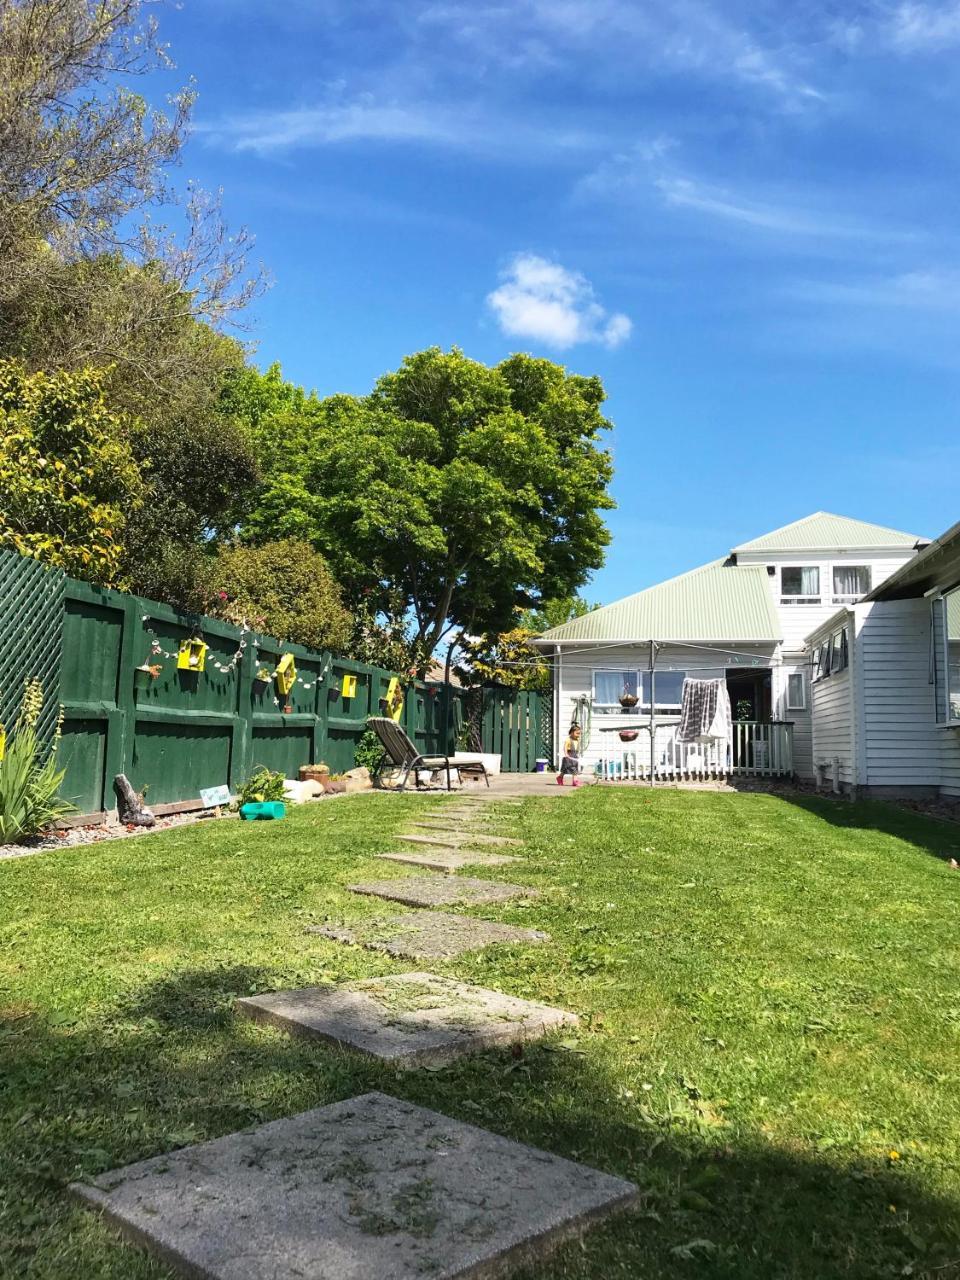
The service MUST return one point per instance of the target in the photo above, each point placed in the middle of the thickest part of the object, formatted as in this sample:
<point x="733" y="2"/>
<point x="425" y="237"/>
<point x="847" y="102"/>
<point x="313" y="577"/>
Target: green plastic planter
<point x="261" y="811"/>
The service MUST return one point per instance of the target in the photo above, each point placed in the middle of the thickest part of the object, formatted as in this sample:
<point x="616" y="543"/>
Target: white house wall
<point x="948" y="740"/>
<point x="899" y="739"/>
<point x="801" y="720"/>
<point x="797" y="621"/>
<point x="575" y="679"/>
<point x="833" y="722"/>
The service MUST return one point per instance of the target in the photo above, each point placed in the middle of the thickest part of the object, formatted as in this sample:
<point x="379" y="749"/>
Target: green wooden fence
<point x="512" y="726"/>
<point x="184" y="731"/>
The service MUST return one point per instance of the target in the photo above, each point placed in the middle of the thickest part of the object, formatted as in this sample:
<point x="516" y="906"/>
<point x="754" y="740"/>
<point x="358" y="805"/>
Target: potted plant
<point x="629" y="735"/>
<point x="628" y="699"/>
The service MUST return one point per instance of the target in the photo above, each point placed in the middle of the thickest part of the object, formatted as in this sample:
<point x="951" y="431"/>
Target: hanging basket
<point x="629" y="735"/>
<point x="628" y="699"/>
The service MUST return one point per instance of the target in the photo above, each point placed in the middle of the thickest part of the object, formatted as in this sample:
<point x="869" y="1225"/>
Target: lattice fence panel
<point x="31" y="629"/>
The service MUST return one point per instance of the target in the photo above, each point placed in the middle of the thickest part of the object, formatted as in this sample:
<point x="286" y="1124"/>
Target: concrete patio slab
<point x="407" y="1019"/>
<point x="428" y="935"/>
<point x="442" y="891"/>
<point x="449" y="860"/>
<point x="460" y="837"/>
<point x="369" y="1187"/>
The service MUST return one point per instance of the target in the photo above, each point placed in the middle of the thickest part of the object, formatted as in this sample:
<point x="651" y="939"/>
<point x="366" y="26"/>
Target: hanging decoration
<point x="3" y="741"/>
<point x="394" y="698"/>
<point x="192" y="655"/>
<point x="348" y="687"/>
<point x="286" y="674"/>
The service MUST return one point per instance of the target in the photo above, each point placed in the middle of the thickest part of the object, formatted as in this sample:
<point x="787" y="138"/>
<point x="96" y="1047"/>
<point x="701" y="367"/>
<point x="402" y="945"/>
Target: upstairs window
<point x="850" y="582"/>
<point x="947" y="667"/>
<point x="800" y="584"/>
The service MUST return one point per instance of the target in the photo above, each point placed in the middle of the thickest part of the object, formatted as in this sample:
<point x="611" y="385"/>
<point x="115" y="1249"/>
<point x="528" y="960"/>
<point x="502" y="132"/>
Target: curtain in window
<point x="609" y="685"/>
<point x="800" y="581"/>
<point x="851" y="579"/>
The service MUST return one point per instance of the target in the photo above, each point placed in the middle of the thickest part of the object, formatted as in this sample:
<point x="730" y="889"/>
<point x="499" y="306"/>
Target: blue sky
<point x="743" y="216"/>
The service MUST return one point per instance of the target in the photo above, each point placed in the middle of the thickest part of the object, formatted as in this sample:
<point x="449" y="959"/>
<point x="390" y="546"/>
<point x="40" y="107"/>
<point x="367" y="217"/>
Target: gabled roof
<point x="718" y="601"/>
<point x="826" y="532"/>
<point x="937" y="565"/>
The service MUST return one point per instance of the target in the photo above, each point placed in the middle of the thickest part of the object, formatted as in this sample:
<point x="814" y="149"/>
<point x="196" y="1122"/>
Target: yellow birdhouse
<point x="3" y="742"/>
<point x="394" y="699"/>
<point x="192" y="654"/>
<point x="286" y="674"/>
<point x="348" y="687"/>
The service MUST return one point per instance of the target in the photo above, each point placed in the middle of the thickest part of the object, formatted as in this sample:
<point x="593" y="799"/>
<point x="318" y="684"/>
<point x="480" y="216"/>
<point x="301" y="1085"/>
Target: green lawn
<point x="770" y="995"/>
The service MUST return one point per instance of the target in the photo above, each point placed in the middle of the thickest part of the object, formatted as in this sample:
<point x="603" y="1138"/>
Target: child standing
<point x="571" y="757"/>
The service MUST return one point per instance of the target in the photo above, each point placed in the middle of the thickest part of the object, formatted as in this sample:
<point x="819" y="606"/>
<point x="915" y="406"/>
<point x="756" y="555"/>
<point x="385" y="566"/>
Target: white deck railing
<point x="755" y="750"/>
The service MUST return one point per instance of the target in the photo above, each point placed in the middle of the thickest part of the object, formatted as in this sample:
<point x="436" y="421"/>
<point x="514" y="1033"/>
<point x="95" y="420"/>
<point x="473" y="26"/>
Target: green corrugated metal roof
<point x="825" y="532"/>
<point x="718" y="601"/>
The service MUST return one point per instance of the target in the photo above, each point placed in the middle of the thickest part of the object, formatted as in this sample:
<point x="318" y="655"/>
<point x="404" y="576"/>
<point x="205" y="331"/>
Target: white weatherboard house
<point x="744" y="619"/>
<point x="885" y="682"/>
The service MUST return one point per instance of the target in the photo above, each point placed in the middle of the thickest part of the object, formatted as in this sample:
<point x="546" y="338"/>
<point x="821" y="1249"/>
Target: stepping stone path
<point x="370" y="1187"/>
<point x="466" y="837"/>
<point x="428" y="935"/>
<point x="449" y="860"/>
<point x="443" y="891"/>
<point x="407" y="1019"/>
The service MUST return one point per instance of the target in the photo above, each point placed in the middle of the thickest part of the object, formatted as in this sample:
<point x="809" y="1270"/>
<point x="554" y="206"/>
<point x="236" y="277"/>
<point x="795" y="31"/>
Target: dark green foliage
<point x="453" y="491"/>
<point x="369" y="752"/>
<point x="262" y="786"/>
<point x="284" y="588"/>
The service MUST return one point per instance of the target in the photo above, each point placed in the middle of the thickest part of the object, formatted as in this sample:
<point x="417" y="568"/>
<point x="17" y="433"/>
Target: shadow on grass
<point x="174" y="1066"/>
<point x="934" y="835"/>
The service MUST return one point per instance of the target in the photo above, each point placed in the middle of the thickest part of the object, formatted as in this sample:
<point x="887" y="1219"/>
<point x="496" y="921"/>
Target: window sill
<point x="791" y="600"/>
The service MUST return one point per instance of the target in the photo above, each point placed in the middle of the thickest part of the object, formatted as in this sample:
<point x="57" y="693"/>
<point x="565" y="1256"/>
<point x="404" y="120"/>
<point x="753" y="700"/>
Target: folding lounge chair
<point x="401" y="752"/>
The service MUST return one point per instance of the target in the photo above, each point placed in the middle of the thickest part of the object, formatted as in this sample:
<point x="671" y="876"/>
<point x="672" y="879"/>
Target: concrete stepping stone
<point x="407" y="1019"/>
<point x="464" y="837"/>
<point x="428" y="935"/>
<point x="442" y="891"/>
<point x="449" y="860"/>
<point x="367" y="1187"/>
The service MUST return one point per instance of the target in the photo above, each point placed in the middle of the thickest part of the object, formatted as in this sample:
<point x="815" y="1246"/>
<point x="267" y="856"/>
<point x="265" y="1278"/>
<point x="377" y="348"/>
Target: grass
<point x="769" y="993"/>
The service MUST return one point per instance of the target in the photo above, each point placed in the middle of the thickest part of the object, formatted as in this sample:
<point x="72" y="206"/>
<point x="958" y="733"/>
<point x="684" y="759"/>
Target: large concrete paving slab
<point x="448" y="860"/>
<point x="363" y="1189"/>
<point x="407" y="1019"/>
<point x="428" y="935"/>
<point x="458" y="837"/>
<point x="442" y="891"/>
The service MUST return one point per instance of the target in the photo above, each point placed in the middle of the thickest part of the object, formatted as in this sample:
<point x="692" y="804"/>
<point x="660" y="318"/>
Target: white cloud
<point x="542" y="300"/>
<point x="918" y="27"/>
<point x="327" y="124"/>
<point x="932" y="290"/>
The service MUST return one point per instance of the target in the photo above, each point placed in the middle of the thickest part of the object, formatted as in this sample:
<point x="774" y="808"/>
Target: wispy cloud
<point x="470" y="127"/>
<point x="931" y="290"/>
<point x="679" y="36"/>
<point x="924" y="27"/>
<point x="543" y="300"/>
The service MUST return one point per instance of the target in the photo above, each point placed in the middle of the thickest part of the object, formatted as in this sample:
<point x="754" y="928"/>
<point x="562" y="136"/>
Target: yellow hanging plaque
<point x="348" y="688"/>
<point x="394" y="699"/>
<point x="286" y="674"/>
<point x="3" y="742"/>
<point x="192" y="654"/>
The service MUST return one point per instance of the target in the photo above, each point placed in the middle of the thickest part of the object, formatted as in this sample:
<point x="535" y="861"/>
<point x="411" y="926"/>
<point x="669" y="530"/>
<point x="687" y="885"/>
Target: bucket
<point x="541" y="765"/>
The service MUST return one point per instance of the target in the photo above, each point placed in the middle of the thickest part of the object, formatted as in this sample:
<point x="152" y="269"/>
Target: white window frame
<point x="802" y="704"/>
<point x="951" y="719"/>
<point x="660" y="708"/>
<point x="839" y="599"/>
<point x="843" y="648"/>
<point x="788" y="599"/>
<point x="604" y="707"/>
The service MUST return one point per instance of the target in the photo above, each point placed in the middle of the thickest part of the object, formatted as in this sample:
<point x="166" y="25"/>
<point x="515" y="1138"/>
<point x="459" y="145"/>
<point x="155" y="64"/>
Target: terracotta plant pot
<point x="629" y="735"/>
<point x="314" y="772"/>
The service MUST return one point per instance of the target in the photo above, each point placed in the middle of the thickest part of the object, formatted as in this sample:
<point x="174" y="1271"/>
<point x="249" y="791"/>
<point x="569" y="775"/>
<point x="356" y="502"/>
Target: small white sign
<point x="211" y="797"/>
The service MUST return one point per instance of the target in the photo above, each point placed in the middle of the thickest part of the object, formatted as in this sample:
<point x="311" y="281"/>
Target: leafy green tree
<point x="68" y="479"/>
<point x="508" y="659"/>
<point x="554" y="613"/>
<point x="284" y="588"/>
<point x="456" y="492"/>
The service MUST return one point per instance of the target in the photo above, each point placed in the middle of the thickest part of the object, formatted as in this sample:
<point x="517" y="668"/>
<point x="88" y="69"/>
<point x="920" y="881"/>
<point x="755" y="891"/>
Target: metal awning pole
<point x="653" y="718"/>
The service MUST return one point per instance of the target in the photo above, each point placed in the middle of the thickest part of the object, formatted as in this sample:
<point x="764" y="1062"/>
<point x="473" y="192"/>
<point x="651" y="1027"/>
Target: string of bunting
<point x="157" y="650"/>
